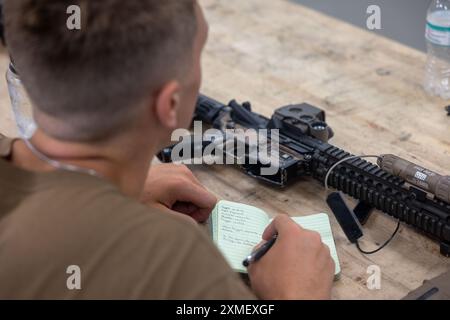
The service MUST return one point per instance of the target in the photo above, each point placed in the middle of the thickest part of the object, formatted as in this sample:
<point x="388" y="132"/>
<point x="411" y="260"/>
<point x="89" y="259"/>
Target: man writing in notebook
<point x="80" y="192"/>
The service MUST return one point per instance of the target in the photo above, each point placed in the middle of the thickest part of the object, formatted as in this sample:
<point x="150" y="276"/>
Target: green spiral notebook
<point x="237" y="228"/>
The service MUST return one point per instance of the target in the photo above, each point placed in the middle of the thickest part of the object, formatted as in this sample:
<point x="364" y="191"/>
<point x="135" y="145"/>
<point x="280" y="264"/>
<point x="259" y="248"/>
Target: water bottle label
<point x="438" y="28"/>
<point x="438" y="35"/>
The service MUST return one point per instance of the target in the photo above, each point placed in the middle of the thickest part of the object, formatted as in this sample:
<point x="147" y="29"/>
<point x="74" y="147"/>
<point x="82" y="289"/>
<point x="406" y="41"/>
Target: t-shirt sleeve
<point x="76" y="237"/>
<point x="159" y="256"/>
<point x="203" y="273"/>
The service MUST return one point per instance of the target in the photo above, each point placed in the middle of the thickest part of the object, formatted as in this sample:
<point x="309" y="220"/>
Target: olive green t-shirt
<point x="61" y="231"/>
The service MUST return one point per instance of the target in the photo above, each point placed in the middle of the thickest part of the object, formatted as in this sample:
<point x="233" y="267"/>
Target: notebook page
<point x="321" y="224"/>
<point x="239" y="229"/>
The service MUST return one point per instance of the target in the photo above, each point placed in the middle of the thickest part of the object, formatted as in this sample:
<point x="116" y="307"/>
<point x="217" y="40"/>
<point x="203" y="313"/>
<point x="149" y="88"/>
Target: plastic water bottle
<point x="20" y="103"/>
<point x="437" y="78"/>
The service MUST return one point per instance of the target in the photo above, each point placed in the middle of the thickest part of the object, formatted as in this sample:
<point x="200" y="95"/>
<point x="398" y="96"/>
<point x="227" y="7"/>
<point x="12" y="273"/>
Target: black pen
<point x="260" y="252"/>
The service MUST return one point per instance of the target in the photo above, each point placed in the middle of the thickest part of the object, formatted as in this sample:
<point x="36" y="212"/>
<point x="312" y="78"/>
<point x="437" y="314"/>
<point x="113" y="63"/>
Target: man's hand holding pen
<point x="291" y="250"/>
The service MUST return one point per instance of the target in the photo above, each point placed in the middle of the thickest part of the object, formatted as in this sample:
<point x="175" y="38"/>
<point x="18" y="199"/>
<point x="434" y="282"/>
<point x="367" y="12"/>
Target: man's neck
<point x="119" y="162"/>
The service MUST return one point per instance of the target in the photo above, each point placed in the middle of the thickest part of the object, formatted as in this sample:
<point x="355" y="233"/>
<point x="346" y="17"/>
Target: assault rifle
<point x="407" y="192"/>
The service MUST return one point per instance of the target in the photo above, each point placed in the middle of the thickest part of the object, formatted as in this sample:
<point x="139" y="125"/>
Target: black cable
<point x="326" y="187"/>
<point x="381" y="247"/>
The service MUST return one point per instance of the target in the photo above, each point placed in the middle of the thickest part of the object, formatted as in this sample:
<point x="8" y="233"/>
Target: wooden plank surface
<point x="274" y="52"/>
<point x="7" y="123"/>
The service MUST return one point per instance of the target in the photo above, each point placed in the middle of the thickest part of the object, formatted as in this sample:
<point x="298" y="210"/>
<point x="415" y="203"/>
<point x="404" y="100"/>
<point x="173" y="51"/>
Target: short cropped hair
<point x="91" y="80"/>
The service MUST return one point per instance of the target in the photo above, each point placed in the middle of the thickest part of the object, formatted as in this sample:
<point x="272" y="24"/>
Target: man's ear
<point x="167" y="105"/>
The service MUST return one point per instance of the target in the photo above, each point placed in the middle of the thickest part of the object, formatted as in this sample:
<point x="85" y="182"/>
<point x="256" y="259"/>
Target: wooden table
<point x="274" y="53"/>
<point x="7" y="123"/>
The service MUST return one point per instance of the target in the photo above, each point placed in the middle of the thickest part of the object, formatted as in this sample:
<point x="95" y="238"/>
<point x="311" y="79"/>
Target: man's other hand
<point x="176" y="188"/>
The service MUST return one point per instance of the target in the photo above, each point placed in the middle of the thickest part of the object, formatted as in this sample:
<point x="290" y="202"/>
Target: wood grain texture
<point x="7" y="122"/>
<point x="274" y="53"/>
